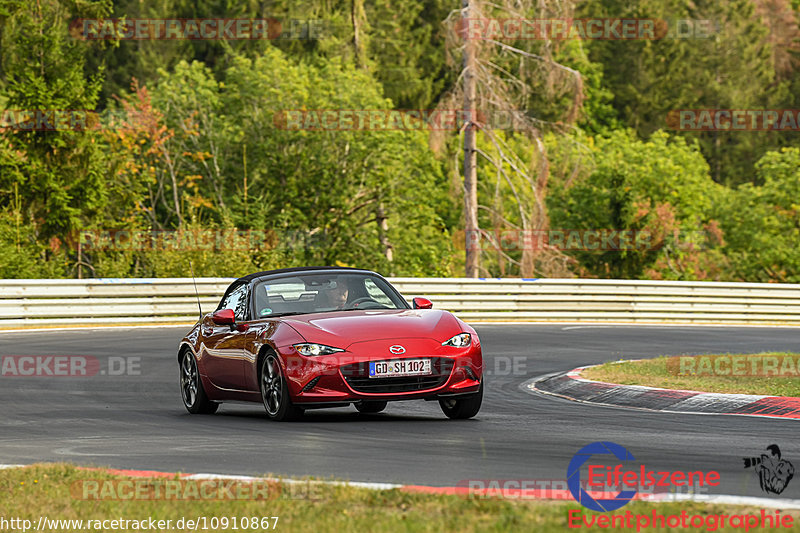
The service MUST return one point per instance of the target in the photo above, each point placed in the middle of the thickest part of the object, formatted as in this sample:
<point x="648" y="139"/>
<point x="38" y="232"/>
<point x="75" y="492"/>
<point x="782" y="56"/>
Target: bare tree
<point x="497" y="78"/>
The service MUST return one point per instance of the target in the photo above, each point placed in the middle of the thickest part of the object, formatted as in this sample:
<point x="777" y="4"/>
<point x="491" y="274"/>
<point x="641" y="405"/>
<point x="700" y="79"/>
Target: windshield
<point x="318" y="293"/>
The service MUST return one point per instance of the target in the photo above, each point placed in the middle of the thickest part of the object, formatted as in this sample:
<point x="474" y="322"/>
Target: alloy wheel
<point x="271" y="388"/>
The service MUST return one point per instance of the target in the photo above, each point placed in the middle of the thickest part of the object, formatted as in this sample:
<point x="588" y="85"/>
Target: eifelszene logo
<point x="773" y="472"/>
<point x="574" y="476"/>
<point x="607" y="478"/>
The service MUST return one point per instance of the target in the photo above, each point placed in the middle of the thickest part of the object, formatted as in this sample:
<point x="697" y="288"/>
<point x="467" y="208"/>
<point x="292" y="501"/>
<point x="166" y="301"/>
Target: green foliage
<point x="730" y="69"/>
<point x="24" y="256"/>
<point x="192" y="140"/>
<point x="762" y="222"/>
<point x="660" y="188"/>
<point x="333" y="183"/>
<point x="60" y="181"/>
<point x="52" y="180"/>
<point x="143" y="59"/>
<point x="406" y="45"/>
<point x="338" y="197"/>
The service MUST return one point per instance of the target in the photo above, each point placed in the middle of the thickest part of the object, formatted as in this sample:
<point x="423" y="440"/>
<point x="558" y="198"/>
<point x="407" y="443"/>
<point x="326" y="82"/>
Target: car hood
<point x="343" y="328"/>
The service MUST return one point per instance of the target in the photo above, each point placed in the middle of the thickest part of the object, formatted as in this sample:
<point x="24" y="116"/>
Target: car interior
<point x="303" y="296"/>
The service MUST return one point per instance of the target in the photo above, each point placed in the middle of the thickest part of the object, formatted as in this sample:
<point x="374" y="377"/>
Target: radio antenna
<point x="191" y="268"/>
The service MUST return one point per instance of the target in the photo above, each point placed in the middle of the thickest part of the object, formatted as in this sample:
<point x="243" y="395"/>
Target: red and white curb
<point x="570" y="385"/>
<point x="466" y="492"/>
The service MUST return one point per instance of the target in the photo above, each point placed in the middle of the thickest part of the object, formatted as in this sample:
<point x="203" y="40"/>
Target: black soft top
<point x="250" y="277"/>
<point x="266" y="273"/>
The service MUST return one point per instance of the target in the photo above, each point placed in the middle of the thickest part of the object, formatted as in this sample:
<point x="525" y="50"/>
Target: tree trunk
<point x="539" y="221"/>
<point x="383" y="230"/>
<point x="356" y="15"/>
<point x="472" y="257"/>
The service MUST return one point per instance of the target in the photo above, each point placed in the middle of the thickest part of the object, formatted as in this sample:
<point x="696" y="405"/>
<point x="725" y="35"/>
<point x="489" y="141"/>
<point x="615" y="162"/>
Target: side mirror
<point x="422" y="303"/>
<point x="223" y="317"/>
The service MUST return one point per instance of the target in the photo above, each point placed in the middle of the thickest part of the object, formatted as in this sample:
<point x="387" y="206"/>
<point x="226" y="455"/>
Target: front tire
<point x="275" y="392"/>
<point x="370" y="407"/>
<point x="463" y="408"/>
<point x="192" y="391"/>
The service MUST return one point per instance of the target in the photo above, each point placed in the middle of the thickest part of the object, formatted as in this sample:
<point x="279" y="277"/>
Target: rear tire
<point x="275" y="392"/>
<point x="370" y="407"/>
<point x="194" y="395"/>
<point x="459" y="409"/>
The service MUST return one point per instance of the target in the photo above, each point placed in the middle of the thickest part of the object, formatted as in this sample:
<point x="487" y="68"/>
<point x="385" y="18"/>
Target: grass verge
<point x="773" y="374"/>
<point x="54" y="491"/>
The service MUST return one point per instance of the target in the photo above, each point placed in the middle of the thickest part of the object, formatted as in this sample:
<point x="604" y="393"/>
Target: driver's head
<point x="338" y="294"/>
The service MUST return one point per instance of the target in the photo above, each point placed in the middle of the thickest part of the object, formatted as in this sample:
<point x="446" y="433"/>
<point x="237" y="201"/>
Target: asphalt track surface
<point x="139" y="422"/>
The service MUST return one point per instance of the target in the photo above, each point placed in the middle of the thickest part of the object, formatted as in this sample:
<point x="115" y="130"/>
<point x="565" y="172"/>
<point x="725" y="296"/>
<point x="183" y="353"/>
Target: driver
<point x="337" y="296"/>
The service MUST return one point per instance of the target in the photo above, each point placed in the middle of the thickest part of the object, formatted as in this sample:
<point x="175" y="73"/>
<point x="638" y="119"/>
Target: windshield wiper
<point x="288" y="313"/>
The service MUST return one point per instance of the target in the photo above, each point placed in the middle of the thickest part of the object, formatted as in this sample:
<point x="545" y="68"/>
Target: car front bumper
<point x="344" y="377"/>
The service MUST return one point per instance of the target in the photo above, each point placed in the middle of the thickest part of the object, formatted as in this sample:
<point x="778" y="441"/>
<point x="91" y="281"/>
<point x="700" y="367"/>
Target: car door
<point x="224" y="345"/>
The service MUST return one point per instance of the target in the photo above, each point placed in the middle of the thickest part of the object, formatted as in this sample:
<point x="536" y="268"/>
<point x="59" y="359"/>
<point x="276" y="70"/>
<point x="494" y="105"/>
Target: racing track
<point x="139" y="421"/>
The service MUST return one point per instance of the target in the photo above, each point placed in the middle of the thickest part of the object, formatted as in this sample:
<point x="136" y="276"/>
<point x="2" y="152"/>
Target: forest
<point x="151" y="139"/>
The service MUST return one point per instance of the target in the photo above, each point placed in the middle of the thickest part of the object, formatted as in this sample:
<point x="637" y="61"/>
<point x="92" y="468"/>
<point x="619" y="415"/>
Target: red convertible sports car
<point x="304" y="338"/>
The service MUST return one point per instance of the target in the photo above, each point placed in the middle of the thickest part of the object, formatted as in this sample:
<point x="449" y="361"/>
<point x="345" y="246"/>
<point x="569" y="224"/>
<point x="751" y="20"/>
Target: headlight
<point x="310" y="349"/>
<point x="459" y="341"/>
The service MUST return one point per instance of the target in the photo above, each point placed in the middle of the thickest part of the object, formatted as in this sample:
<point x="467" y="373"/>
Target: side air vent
<point x="311" y="384"/>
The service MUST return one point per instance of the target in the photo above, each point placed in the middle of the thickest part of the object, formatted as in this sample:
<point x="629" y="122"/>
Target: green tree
<point x="57" y="177"/>
<point x="660" y="188"/>
<point x="762" y="222"/>
<point x="365" y="195"/>
<point x="204" y="153"/>
<point x="651" y="78"/>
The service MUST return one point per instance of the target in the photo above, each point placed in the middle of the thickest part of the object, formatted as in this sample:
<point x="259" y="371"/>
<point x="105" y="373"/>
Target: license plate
<point x="398" y="368"/>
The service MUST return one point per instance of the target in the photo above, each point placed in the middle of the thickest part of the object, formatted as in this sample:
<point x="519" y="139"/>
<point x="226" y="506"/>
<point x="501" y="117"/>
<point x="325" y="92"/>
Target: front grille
<point x="357" y="376"/>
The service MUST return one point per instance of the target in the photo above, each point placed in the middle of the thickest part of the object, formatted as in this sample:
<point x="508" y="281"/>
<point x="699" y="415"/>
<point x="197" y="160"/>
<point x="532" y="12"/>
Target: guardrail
<point x="164" y="300"/>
